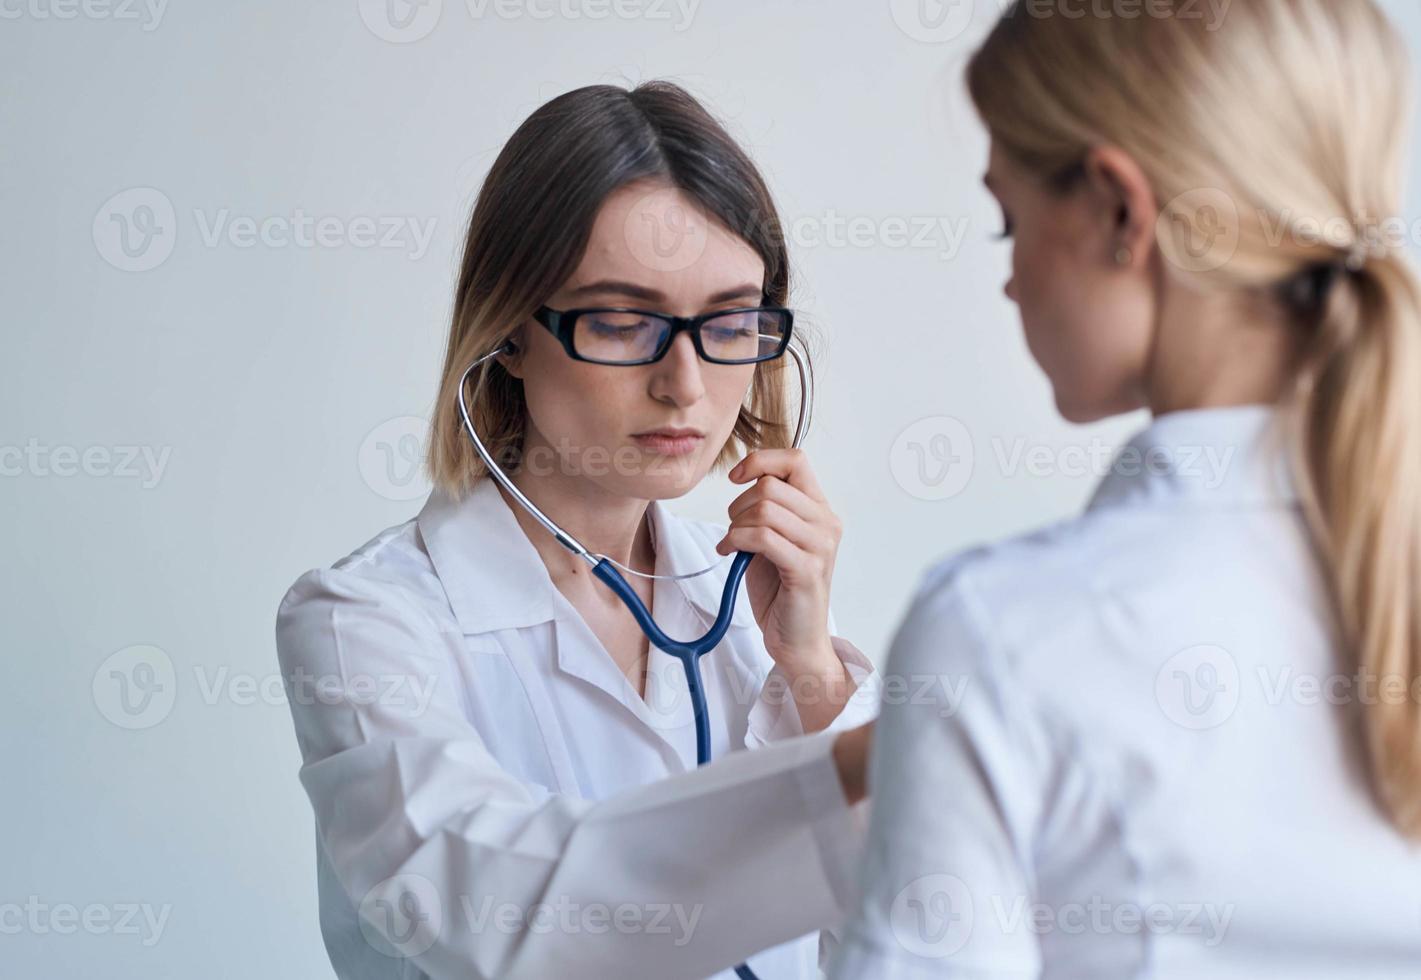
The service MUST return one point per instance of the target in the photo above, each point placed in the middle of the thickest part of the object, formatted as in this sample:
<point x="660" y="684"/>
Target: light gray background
<point x="276" y="381"/>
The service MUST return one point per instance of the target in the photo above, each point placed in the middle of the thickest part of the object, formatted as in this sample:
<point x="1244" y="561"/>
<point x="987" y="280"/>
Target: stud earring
<point x="1123" y="256"/>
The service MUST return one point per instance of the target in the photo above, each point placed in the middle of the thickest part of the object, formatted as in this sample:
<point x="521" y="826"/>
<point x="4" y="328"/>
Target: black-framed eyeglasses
<point x="624" y="336"/>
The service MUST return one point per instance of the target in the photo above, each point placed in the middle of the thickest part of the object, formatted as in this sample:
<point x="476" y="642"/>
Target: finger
<point x="825" y="530"/>
<point x="773" y="488"/>
<point x="789" y="525"/>
<point x="794" y="563"/>
<point x="790" y="465"/>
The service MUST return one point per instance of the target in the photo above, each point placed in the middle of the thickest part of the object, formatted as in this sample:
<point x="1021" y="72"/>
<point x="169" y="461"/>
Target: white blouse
<point x="1139" y="753"/>
<point x="494" y="799"/>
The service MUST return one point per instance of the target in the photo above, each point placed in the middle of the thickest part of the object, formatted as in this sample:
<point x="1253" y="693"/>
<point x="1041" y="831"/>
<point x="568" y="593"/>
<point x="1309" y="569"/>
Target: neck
<point x="604" y="522"/>
<point x="1214" y="351"/>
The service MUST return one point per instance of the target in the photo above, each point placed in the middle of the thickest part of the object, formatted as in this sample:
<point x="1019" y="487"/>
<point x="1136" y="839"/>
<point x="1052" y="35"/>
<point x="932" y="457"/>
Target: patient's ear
<point x="1127" y="200"/>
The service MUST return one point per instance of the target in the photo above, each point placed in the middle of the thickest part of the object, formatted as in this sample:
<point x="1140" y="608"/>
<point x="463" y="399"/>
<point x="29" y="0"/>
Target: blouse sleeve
<point x="947" y="862"/>
<point x="423" y="829"/>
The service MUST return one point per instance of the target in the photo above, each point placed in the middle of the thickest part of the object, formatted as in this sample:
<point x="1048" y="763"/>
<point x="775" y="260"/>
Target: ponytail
<point x="1358" y="406"/>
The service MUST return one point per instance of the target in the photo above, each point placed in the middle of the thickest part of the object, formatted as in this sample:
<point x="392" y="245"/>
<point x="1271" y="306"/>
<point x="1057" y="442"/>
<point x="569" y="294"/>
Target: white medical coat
<point x="493" y="798"/>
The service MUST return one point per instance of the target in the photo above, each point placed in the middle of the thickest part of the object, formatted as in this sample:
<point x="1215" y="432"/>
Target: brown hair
<point x="530" y="226"/>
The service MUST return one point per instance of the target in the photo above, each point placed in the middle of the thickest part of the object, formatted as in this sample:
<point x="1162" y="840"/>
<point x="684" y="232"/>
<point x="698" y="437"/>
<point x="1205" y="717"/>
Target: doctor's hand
<point x="785" y="520"/>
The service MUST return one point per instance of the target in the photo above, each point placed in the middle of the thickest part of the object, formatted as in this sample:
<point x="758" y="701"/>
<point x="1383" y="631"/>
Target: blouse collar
<point x="1236" y="455"/>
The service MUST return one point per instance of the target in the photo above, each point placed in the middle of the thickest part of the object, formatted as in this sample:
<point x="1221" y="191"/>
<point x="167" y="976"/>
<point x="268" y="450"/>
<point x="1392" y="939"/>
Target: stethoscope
<point x="688" y="652"/>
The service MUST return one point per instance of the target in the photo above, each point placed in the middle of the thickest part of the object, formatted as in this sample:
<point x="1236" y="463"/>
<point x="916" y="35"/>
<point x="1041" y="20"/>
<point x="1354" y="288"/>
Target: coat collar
<point x="495" y="578"/>
<point x="1229" y="456"/>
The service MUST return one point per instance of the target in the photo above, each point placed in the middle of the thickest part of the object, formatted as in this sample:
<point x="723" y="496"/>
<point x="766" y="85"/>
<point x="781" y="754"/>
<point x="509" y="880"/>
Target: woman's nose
<point x="677" y="377"/>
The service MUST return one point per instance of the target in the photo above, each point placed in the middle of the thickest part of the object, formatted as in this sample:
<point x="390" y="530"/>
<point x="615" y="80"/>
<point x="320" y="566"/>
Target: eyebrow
<point x="621" y="288"/>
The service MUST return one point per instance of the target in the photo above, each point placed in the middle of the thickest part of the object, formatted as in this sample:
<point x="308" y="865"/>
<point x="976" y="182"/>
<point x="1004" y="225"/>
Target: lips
<point x="670" y="441"/>
<point x="670" y="432"/>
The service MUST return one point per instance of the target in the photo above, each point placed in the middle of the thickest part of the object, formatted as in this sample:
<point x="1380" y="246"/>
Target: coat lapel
<point x="495" y="579"/>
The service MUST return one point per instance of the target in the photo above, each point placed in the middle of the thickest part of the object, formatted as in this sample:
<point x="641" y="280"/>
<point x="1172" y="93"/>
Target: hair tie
<point x="1306" y="292"/>
<point x="1368" y="245"/>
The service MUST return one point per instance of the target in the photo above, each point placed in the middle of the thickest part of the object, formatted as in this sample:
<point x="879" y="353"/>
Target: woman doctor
<point x="1188" y="742"/>
<point x="503" y="770"/>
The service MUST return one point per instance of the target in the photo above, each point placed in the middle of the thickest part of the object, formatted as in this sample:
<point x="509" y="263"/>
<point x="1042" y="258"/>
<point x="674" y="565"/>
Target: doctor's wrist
<point x="814" y="656"/>
<point x="819" y="685"/>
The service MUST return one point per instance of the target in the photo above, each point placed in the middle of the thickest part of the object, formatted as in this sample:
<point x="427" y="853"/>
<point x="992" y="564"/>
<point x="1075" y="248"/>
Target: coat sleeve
<point x="775" y="716"/>
<point x="464" y="871"/>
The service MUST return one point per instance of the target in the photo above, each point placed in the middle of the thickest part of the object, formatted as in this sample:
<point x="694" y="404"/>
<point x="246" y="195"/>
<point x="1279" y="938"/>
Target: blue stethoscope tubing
<point x="688" y="652"/>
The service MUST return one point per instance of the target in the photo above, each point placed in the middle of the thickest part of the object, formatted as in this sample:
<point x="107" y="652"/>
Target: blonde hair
<point x="530" y="225"/>
<point x="1293" y="114"/>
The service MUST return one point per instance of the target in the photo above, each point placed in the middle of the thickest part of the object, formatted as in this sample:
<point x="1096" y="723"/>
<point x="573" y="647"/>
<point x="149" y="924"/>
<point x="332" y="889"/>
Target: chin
<point x="667" y="493"/>
<point x="1080" y="412"/>
<point x="664" y="478"/>
<point x="664" y="489"/>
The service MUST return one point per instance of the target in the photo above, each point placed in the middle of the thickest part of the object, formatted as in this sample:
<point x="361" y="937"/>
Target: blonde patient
<point x="1190" y="739"/>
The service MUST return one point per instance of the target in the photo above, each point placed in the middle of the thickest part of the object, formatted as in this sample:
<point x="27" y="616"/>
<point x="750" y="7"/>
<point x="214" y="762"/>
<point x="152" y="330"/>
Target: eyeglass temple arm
<point x="563" y="538"/>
